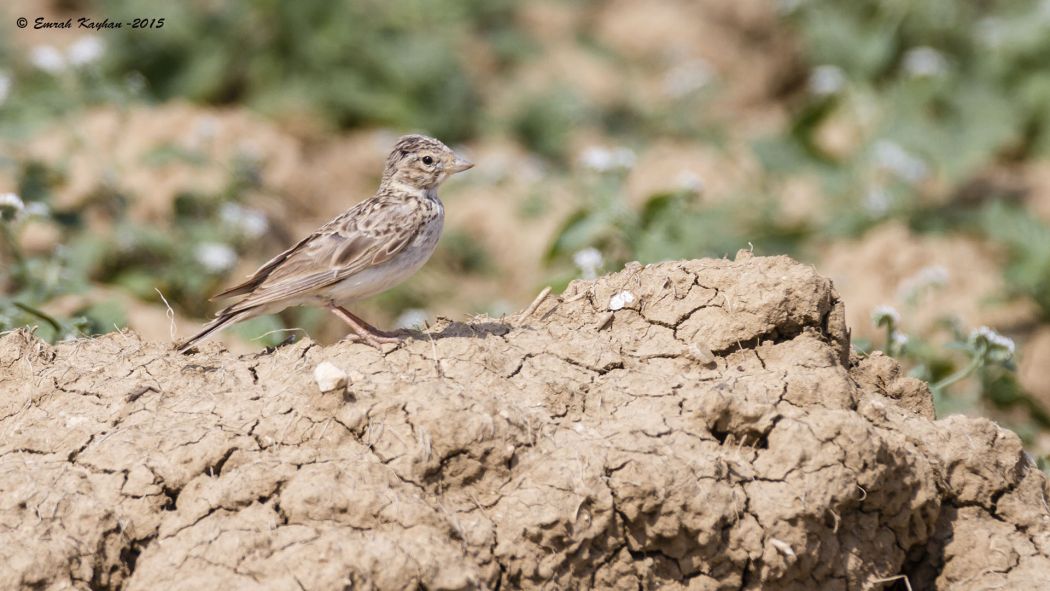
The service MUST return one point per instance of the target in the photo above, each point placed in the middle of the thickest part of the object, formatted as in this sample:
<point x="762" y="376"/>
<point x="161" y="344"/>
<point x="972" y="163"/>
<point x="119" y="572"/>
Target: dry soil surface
<point x="714" y="432"/>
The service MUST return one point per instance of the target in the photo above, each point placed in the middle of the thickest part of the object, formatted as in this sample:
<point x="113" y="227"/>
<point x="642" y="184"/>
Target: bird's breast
<point x="404" y="264"/>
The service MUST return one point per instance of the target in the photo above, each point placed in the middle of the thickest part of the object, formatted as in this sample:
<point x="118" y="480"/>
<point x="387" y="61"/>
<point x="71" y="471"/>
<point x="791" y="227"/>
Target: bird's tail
<point x="221" y="321"/>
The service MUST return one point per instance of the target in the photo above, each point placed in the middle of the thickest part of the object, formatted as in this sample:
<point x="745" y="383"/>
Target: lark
<point x="368" y="249"/>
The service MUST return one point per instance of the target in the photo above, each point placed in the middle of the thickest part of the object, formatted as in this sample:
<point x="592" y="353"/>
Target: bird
<point x="364" y="251"/>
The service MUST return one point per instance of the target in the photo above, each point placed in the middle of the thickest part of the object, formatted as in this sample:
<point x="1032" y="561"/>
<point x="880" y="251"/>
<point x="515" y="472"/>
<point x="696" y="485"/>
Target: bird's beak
<point x="460" y="164"/>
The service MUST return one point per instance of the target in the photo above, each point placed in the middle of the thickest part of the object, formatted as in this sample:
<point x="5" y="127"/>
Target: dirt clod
<point x="714" y="434"/>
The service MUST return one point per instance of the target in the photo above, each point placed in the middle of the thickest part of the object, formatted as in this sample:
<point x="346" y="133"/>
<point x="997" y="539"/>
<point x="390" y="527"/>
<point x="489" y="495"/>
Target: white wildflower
<point x="86" y="50"/>
<point x="5" y="86"/>
<point x="38" y="209"/>
<point x="877" y="201"/>
<point x="883" y="314"/>
<point x="899" y="339"/>
<point x="47" y="58"/>
<point x="216" y="256"/>
<point x="997" y="343"/>
<point x="10" y="206"/>
<point x="826" y="80"/>
<point x="135" y="82"/>
<point x="412" y="318"/>
<point x="601" y="159"/>
<point x="688" y="180"/>
<point x="924" y="62"/>
<point x="687" y="77"/>
<point x="251" y="223"/>
<point x="927" y="277"/>
<point x="588" y="260"/>
<point x="891" y="156"/>
<point x="205" y="127"/>
<point x="936" y="275"/>
<point x="991" y="32"/>
<point x="618" y="301"/>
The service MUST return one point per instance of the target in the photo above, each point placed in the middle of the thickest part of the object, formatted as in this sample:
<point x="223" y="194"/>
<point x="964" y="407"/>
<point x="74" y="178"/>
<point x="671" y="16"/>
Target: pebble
<point x="329" y="377"/>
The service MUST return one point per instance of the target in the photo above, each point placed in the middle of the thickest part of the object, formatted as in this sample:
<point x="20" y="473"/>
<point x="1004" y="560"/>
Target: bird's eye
<point x="428" y="160"/>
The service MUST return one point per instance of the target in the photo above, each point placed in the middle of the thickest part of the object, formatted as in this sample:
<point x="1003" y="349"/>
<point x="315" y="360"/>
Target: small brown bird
<point x="370" y="248"/>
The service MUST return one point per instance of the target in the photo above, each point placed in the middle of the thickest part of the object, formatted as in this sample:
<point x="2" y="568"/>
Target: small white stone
<point x="782" y="546"/>
<point x="329" y="377"/>
<point x="75" y="421"/>
<point x="618" y="301"/>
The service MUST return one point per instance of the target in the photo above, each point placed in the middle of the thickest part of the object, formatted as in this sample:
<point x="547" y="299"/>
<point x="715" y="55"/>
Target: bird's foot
<point x="363" y="331"/>
<point x="376" y="340"/>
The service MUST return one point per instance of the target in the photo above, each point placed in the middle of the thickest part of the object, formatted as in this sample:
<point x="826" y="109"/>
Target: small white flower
<point x="936" y="275"/>
<point x="618" y="301"/>
<point x="135" y="82"/>
<point x="588" y="260"/>
<point x="996" y="342"/>
<point x="215" y="256"/>
<point x="924" y="62"/>
<point x="991" y="32"/>
<point x="877" y="201"/>
<point x="925" y="278"/>
<point x="38" y="209"/>
<point x="47" y="58"/>
<point x="899" y="339"/>
<point x="891" y="156"/>
<point x="826" y="80"/>
<point x="205" y="127"/>
<point x="10" y="206"/>
<point x="412" y="318"/>
<point x="252" y="223"/>
<point x="883" y="314"/>
<point x="601" y="159"/>
<point x="12" y="201"/>
<point x="86" y="50"/>
<point x="687" y="77"/>
<point x="688" y="180"/>
<point x="5" y="86"/>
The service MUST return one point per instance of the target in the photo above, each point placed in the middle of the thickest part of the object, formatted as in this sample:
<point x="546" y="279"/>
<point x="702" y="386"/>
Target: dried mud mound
<point x="712" y="433"/>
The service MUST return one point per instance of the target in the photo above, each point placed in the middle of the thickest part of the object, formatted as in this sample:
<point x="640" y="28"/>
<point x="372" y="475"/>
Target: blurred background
<point x="903" y="148"/>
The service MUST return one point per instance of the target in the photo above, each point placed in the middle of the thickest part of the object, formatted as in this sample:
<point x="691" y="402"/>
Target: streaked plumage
<point x="373" y="246"/>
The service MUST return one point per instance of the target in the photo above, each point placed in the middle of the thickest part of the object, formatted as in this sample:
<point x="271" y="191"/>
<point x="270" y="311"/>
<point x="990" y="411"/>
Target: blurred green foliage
<point x="396" y="62"/>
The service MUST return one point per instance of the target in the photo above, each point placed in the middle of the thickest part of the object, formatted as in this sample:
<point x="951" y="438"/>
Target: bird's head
<point x="422" y="162"/>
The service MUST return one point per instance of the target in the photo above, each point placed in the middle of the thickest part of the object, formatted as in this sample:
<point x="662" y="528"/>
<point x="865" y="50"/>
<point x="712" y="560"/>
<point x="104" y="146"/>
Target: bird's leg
<point x="363" y="329"/>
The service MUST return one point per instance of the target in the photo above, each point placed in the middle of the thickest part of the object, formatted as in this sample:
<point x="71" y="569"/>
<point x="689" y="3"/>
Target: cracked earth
<point x="714" y="433"/>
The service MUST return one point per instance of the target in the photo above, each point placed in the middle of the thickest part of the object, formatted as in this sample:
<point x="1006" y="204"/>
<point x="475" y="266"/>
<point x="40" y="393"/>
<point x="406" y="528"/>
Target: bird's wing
<point x="260" y="275"/>
<point x="367" y="235"/>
